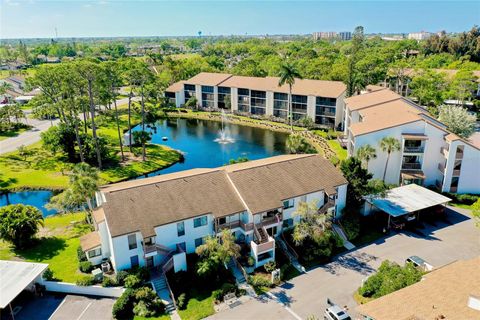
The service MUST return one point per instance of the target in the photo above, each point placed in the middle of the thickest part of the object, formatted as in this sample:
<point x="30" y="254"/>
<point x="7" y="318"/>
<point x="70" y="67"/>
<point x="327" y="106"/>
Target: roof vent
<point x="474" y="302"/>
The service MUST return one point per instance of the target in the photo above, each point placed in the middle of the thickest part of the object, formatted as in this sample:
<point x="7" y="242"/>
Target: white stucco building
<point x="429" y="154"/>
<point x="152" y="221"/>
<point x="320" y="100"/>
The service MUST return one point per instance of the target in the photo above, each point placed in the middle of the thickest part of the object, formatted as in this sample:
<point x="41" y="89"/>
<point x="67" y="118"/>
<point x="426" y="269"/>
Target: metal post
<point x="11" y="311"/>
<point x="388" y="225"/>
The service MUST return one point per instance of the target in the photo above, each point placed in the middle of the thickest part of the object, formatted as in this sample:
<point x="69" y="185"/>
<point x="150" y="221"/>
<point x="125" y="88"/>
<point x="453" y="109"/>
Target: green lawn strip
<point x="337" y="148"/>
<point x="56" y="245"/>
<point x="200" y="305"/>
<point x="461" y="205"/>
<point x="9" y="134"/>
<point x="162" y="317"/>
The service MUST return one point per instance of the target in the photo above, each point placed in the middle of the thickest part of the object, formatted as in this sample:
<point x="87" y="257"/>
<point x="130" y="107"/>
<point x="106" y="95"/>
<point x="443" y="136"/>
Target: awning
<point x="407" y="199"/>
<point x="15" y="276"/>
<point x="414" y="136"/>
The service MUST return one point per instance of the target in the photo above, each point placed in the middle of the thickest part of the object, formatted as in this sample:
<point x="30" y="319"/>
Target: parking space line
<point x="83" y="312"/>
<point x="58" y="308"/>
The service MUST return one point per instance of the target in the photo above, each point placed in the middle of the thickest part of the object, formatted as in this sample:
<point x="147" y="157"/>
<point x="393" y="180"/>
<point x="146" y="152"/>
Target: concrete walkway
<point x="347" y="244"/>
<point x="291" y="257"/>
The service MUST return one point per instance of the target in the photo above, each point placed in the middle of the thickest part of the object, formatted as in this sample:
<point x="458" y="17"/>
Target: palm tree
<point x="19" y="223"/>
<point x="297" y="144"/>
<point x="366" y="153"/>
<point x="288" y="73"/>
<point x="389" y="145"/>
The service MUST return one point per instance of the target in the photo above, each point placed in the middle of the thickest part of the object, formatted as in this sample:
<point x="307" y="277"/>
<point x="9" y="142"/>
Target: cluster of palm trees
<point x="388" y="145"/>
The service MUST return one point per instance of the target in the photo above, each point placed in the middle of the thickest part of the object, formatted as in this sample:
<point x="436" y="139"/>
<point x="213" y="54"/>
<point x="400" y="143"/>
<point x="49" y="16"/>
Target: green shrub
<point x="108" y="282"/>
<point x="228" y="287"/>
<point x="270" y="266"/>
<point x="351" y="224"/>
<point x="85" y="281"/>
<point x="258" y="280"/>
<point x="251" y="261"/>
<point x="81" y="256"/>
<point x="149" y="305"/>
<point x="182" y="301"/>
<point x="85" y="266"/>
<point x="141" y="272"/>
<point x="132" y="281"/>
<point x="217" y="295"/>
<point x="48" y="275"/>
<point x="389" y="278"/>
<point x="123" y="307"/>
<point x="465" y="198"/>
<point x="120" y="277"/>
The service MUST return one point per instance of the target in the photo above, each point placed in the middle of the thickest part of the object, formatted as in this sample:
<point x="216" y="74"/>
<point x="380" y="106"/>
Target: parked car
<point x="334" y="312"/>
<point x="419" y="263"/>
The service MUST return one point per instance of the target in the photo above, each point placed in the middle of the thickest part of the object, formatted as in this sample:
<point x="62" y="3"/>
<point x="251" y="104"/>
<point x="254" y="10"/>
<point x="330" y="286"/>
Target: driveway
<point x="306" y="295"/>
<point x="84" y="308"/>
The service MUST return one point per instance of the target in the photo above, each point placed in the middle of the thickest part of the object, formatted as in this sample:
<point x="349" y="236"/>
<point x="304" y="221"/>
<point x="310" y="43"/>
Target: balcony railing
<point x="411" y="166"/>
<point x="272" y="220"/>
<point x="329" y="204"/>
<point x="326" y="113"/>
<point x="235" y="224"/>
<point x="456" y="173"/>
<point x="459" y="154"/>
<point x="441" y="168"/>
<point x="439" y="184"/>
<point x="453" y="189"/>
<point x="408" y="149"/>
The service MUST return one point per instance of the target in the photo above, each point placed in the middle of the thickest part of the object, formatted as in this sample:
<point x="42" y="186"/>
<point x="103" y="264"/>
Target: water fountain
<point x="224" y="134"/>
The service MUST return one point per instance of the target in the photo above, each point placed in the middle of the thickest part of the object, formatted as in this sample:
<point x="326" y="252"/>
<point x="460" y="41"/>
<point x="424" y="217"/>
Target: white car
<point x="334" y="312"/>
<point x="419" y="263"/>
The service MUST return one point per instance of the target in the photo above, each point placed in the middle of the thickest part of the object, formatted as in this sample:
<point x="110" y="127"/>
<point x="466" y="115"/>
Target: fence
<point x="64" y="287"/>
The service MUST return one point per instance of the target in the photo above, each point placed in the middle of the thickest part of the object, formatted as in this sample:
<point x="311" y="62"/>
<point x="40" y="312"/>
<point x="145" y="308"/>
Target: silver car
<point x="334" y="312"/>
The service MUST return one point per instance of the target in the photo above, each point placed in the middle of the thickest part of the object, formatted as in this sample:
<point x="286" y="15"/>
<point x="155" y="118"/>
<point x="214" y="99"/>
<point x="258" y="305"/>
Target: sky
<point x="109" y="18"/>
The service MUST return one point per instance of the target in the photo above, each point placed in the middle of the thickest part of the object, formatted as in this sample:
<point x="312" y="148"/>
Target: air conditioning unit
<point x="105" y="266"/>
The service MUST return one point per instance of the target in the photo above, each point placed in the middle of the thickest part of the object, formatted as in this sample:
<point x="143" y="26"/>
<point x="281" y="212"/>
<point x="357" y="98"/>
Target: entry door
<point x="149" y="262"/>
<point x="272" y="231"/>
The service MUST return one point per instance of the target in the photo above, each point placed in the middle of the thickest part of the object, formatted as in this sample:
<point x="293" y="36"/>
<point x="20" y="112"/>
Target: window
<point x="180" y="229"/>
<point x="134" y="261"/>
<point x="132" y="241"/>
<point x="222" y="220"/>
<point x="288" y="223"/>
<point x="183" y="246"/>
<point x="280" y="105"/>
<point x="189" y="91"/>
<point x="257" y="102"/>
<point x="95" y="253"/>
<point x="198" y="242"/>
<point x="299" y="106"/>
<point x="189" y="87"/>
<point x="288" y="203"/>
<point x="321" y="101"/>
<point x="199" y="222"/>
<point x="208" y="100"/>
<point x="149" y="241"/>
<point x="224" y="97"/>
<point x="243" y="100"/>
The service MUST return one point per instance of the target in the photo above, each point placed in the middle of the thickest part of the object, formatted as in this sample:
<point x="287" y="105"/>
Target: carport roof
<point x="406" y="199"/>
<point x="15" y="276"/>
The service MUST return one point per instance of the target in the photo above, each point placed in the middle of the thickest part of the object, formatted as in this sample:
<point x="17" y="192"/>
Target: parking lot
<point x="66" y="307"/>
<point x="439" y="243"/>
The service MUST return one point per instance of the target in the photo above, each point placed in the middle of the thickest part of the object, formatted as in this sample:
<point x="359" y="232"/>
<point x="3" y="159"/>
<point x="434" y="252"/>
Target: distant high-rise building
<point x="345" y="35"/>
<point x="329" y="35"/>
<point x="422" y="35"/>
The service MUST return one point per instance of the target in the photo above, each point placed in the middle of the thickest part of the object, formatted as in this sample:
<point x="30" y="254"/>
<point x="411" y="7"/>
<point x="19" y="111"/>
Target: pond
<point x="197" y="140"/>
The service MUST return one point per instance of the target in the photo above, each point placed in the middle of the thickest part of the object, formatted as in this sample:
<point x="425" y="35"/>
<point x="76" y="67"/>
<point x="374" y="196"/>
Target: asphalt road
<point x="306" y="295"/>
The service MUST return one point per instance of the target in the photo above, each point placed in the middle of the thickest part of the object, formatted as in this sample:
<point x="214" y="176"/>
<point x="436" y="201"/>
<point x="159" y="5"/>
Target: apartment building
<point x="422" y="35"/>
<point x="429" y="155"/>
<point x="154" y="220"/>
<point x="318" y="99"/>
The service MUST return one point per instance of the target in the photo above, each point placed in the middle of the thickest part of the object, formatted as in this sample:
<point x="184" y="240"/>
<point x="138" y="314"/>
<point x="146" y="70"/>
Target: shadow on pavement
<point x="356" y="261"/>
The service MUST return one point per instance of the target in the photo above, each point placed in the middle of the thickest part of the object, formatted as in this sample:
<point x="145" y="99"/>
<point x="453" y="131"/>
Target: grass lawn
<point x="461" y="205"/>
<point x="56" y="244"/>
<point x="199" y="306"/>
<point x="8" y="134"/>
<point x="337" y="148"/>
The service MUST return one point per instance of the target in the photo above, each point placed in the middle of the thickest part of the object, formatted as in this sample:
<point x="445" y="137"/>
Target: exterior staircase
<point x="240" y="278"/>
<point x="160" y="285"/>
<point x="262" y="234"/>
<point x="292" y="257"/>
<point x="339" y="230"/>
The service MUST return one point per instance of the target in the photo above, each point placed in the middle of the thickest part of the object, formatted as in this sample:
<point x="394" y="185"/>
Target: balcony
<point x="459" y="154"/>
<point x="453" y="189"/>
<point x="272" y="220"/>
<point x="328" y="205"/>
<point x="408" y="149"/>
<point x="150" y="250"/>
<point x="263" y="242"/>
<point x="411" y="166"/>
<point x="456" y="173"/>
<point x="326" y="113"/>
<point x="439" y="184"/>
<point x="233" y="225"/>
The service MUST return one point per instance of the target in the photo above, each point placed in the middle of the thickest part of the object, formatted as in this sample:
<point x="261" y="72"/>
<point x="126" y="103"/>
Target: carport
<point x="16" y="276"/>
<point x="406" y="201"/>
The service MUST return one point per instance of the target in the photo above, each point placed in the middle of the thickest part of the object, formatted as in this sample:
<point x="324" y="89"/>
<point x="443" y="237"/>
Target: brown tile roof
<point x="380" y="117"/>
<point x="265" y="185"/>
<point x="175" y="87"/>
<point x="141" y="205"/>
<point x="208" y="78"/>
<point x="90" y="240"/>
<point x="370" y="99"/>
<point x="98" y="215"/>
<point x="443" y="292"/>
<point x="321" y="88"/>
